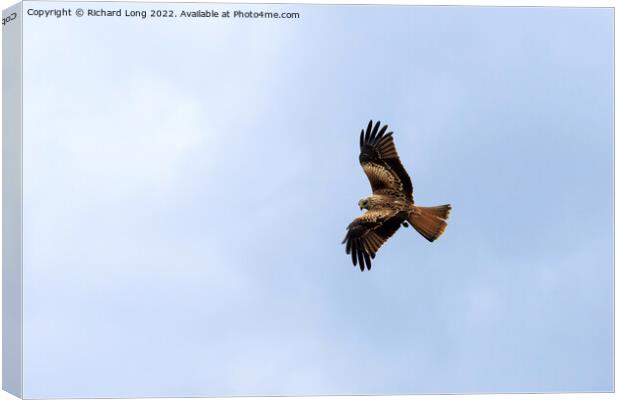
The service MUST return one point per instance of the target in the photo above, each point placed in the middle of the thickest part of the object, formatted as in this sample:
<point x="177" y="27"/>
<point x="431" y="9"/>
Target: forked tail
<point x="430" y="221"/>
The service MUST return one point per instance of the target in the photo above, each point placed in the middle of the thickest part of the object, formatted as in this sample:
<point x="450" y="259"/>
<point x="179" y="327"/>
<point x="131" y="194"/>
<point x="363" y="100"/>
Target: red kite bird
<point x="391" y="204"/>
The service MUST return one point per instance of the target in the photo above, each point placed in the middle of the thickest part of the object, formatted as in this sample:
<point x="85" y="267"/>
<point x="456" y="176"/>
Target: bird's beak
<point x="361" y="208"/>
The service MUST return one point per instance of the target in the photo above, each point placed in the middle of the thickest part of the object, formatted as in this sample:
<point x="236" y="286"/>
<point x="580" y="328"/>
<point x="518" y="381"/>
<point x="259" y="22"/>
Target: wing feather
<point x="367" y="233"/>
<point x="368" y="129"/>
<point x="380" y="161"/>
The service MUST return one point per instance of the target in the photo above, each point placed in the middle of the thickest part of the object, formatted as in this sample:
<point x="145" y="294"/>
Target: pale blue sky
<point x="187" y="184"/>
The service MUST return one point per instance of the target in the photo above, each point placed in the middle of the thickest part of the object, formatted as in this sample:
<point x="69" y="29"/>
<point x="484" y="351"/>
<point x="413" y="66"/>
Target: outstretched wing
<point x="380" y="161"/>
<point x="367" y="233"/>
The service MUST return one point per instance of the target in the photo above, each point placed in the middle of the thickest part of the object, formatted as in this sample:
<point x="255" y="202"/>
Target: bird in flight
<point x="391" y="204"/>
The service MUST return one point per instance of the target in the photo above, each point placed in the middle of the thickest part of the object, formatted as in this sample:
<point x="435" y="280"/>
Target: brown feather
<point x="368" y="232"/>
<point x="377" y="149"/>
<point x="430" y="222"/>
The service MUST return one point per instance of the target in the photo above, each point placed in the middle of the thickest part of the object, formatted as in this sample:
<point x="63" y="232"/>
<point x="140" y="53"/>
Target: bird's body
<point x="391" y="204"/>
<point x="387" y="199"/>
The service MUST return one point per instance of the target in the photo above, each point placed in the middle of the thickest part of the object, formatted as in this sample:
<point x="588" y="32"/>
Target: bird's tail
<point x="430" y="221"/>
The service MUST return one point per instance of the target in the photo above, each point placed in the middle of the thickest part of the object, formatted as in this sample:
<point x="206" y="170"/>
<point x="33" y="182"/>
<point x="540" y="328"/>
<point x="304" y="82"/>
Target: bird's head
<point x="364" y="203"/>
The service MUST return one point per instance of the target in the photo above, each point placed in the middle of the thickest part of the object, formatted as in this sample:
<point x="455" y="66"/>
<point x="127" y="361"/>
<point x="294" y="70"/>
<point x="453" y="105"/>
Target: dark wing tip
<point x="380" y="134"/>
<point x="367" y="133"/>
<point x="387" y="136"/>
<point x="367" y="259"/>
<point x="360" y="255"/>
<point x="348" y="246"/>
<point x="373" y="133"/>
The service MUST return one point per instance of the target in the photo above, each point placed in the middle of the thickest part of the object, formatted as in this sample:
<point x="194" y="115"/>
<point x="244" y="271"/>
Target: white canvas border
<point x="521" y="3"/>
